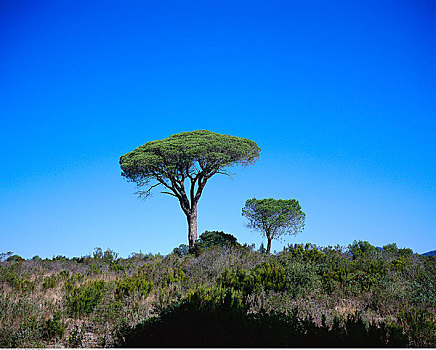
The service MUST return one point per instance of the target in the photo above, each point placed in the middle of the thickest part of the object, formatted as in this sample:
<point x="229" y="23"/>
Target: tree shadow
<point x="188" y="325"/>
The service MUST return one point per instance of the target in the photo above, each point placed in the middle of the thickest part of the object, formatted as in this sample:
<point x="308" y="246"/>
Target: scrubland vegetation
<point x="222" y="294"/>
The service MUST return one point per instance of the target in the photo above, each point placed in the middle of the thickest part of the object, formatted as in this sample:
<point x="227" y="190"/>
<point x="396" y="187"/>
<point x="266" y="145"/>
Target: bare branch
<point x="147" y="193"/>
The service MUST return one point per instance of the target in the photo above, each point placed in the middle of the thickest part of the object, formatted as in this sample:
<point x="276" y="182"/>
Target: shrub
<point x="136" y="284"/>
<point x="390" y="248"/>
<point x="181" y="250"/>
<point x="301" y="279"/>
<point x="64" y="274"/>
<point x="300" y="252"/>
<point x="213" y="238"/>
<point x="267" y="275"/>
<point x="49" y="282"/>
<point x="420" y="326"/>
<point x="53" y="328"/>
<point x="360" y="249"/>
<point x="14" y="258"/>
<point x="422" y="289"/>
<point x="83" y="299"/>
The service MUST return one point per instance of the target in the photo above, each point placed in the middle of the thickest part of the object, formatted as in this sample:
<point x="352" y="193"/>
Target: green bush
<point x="301" y="279"/>
<point x="181" y="250"/>
<point x="83" y="299"/>
<point x="267" y="276"/>
<point x="136" y="284"/>
<point x="300" y="252"/>
<point x="162" y="272"/>
<point x="209" y="239"/>
<point x="49" y="282"/>
<point x="422" y="289"/>
<point x="53" y="328"/>
<point x="15" y="258"/>
<point x="360" y="249"/>
<point x="420" y="326"/>
<point x="64" y="275"/>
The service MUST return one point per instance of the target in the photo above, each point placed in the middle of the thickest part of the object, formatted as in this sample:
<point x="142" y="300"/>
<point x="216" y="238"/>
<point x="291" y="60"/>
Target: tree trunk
<point x="268" y="247"/>
<point x="192" y="226"/>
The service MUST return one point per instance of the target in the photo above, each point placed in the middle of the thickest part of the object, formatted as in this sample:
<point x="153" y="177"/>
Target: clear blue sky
<point x="340" y="96"/>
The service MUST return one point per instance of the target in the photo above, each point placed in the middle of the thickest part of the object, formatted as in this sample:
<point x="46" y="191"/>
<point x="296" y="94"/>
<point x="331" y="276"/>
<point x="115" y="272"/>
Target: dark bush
<point x="420" y="326"/>
<point x="181" y="250"/>
<point x="217" y="317"/>
<point x="360" y="249"/>
<point x="53" y="328"/>
<point x="14" y="258"/>
<point x="213" y="238"/>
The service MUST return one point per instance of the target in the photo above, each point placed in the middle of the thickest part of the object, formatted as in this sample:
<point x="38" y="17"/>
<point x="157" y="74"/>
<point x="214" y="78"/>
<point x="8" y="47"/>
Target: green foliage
<point x="302" y="296"/>
<point x="398" y="264"/>
<point x="49" y="282"/>
<point x="108" y="255"/>
<point x="211" y="238"/>
<point x="64" y="274"/>
<point x="53" y="328"/>
<point x="302" y="279"/>
<point x="274" y="217"/>
<point x="360" y="249"/>
<point x="390" y="248"/>
<point x="265" y="276"/>
<point x="83" y="299"/>
<point x="181" y="250"/>
<point x="188" y="153"/>
<point x="405" y="251"/>
<point x="300" y="252"/>
<point x="138" y="283"/>
<point x="14" y="278"/>
<point x="162" y="273"/>
<point x="60" y="258"/>
<point x="420" y="326"/>
<point x="422" y="289"/>
<point x="14" y="258"/>
<point x="187" y="158"/>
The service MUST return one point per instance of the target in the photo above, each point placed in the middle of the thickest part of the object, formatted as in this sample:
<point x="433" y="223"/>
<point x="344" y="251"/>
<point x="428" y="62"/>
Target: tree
<point x="274" y="217"/>
<point x="183" y="163"/>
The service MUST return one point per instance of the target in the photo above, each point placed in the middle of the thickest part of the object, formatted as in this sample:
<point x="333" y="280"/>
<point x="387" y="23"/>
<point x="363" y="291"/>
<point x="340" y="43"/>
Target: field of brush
<point x="221" y="296"/>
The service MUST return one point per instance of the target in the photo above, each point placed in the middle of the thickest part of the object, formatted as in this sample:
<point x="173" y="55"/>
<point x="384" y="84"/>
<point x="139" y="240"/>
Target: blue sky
<point x="340" y="96"/>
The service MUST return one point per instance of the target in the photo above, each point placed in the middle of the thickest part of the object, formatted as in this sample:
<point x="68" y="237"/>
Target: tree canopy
<point x="274" y="217"/>
<point x="183" y="163"/>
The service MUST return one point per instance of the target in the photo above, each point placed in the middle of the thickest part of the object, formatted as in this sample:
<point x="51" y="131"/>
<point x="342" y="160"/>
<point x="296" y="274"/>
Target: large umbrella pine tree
<point x="183" y="163"/>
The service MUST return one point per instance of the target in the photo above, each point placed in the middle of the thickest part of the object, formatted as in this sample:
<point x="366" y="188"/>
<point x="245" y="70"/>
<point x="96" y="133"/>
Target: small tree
<point x="274" y="217"/>
<point x="183" y="163"/>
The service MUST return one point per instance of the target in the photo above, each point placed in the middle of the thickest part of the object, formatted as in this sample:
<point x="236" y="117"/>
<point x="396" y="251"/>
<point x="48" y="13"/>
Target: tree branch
<point x="147" y="193"/>
<point x="171" y="194"/>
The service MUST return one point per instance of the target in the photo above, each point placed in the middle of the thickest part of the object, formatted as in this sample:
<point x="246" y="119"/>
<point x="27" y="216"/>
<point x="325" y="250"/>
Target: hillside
<point x="222" y="296"/>
<point x="431" y="253"/>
